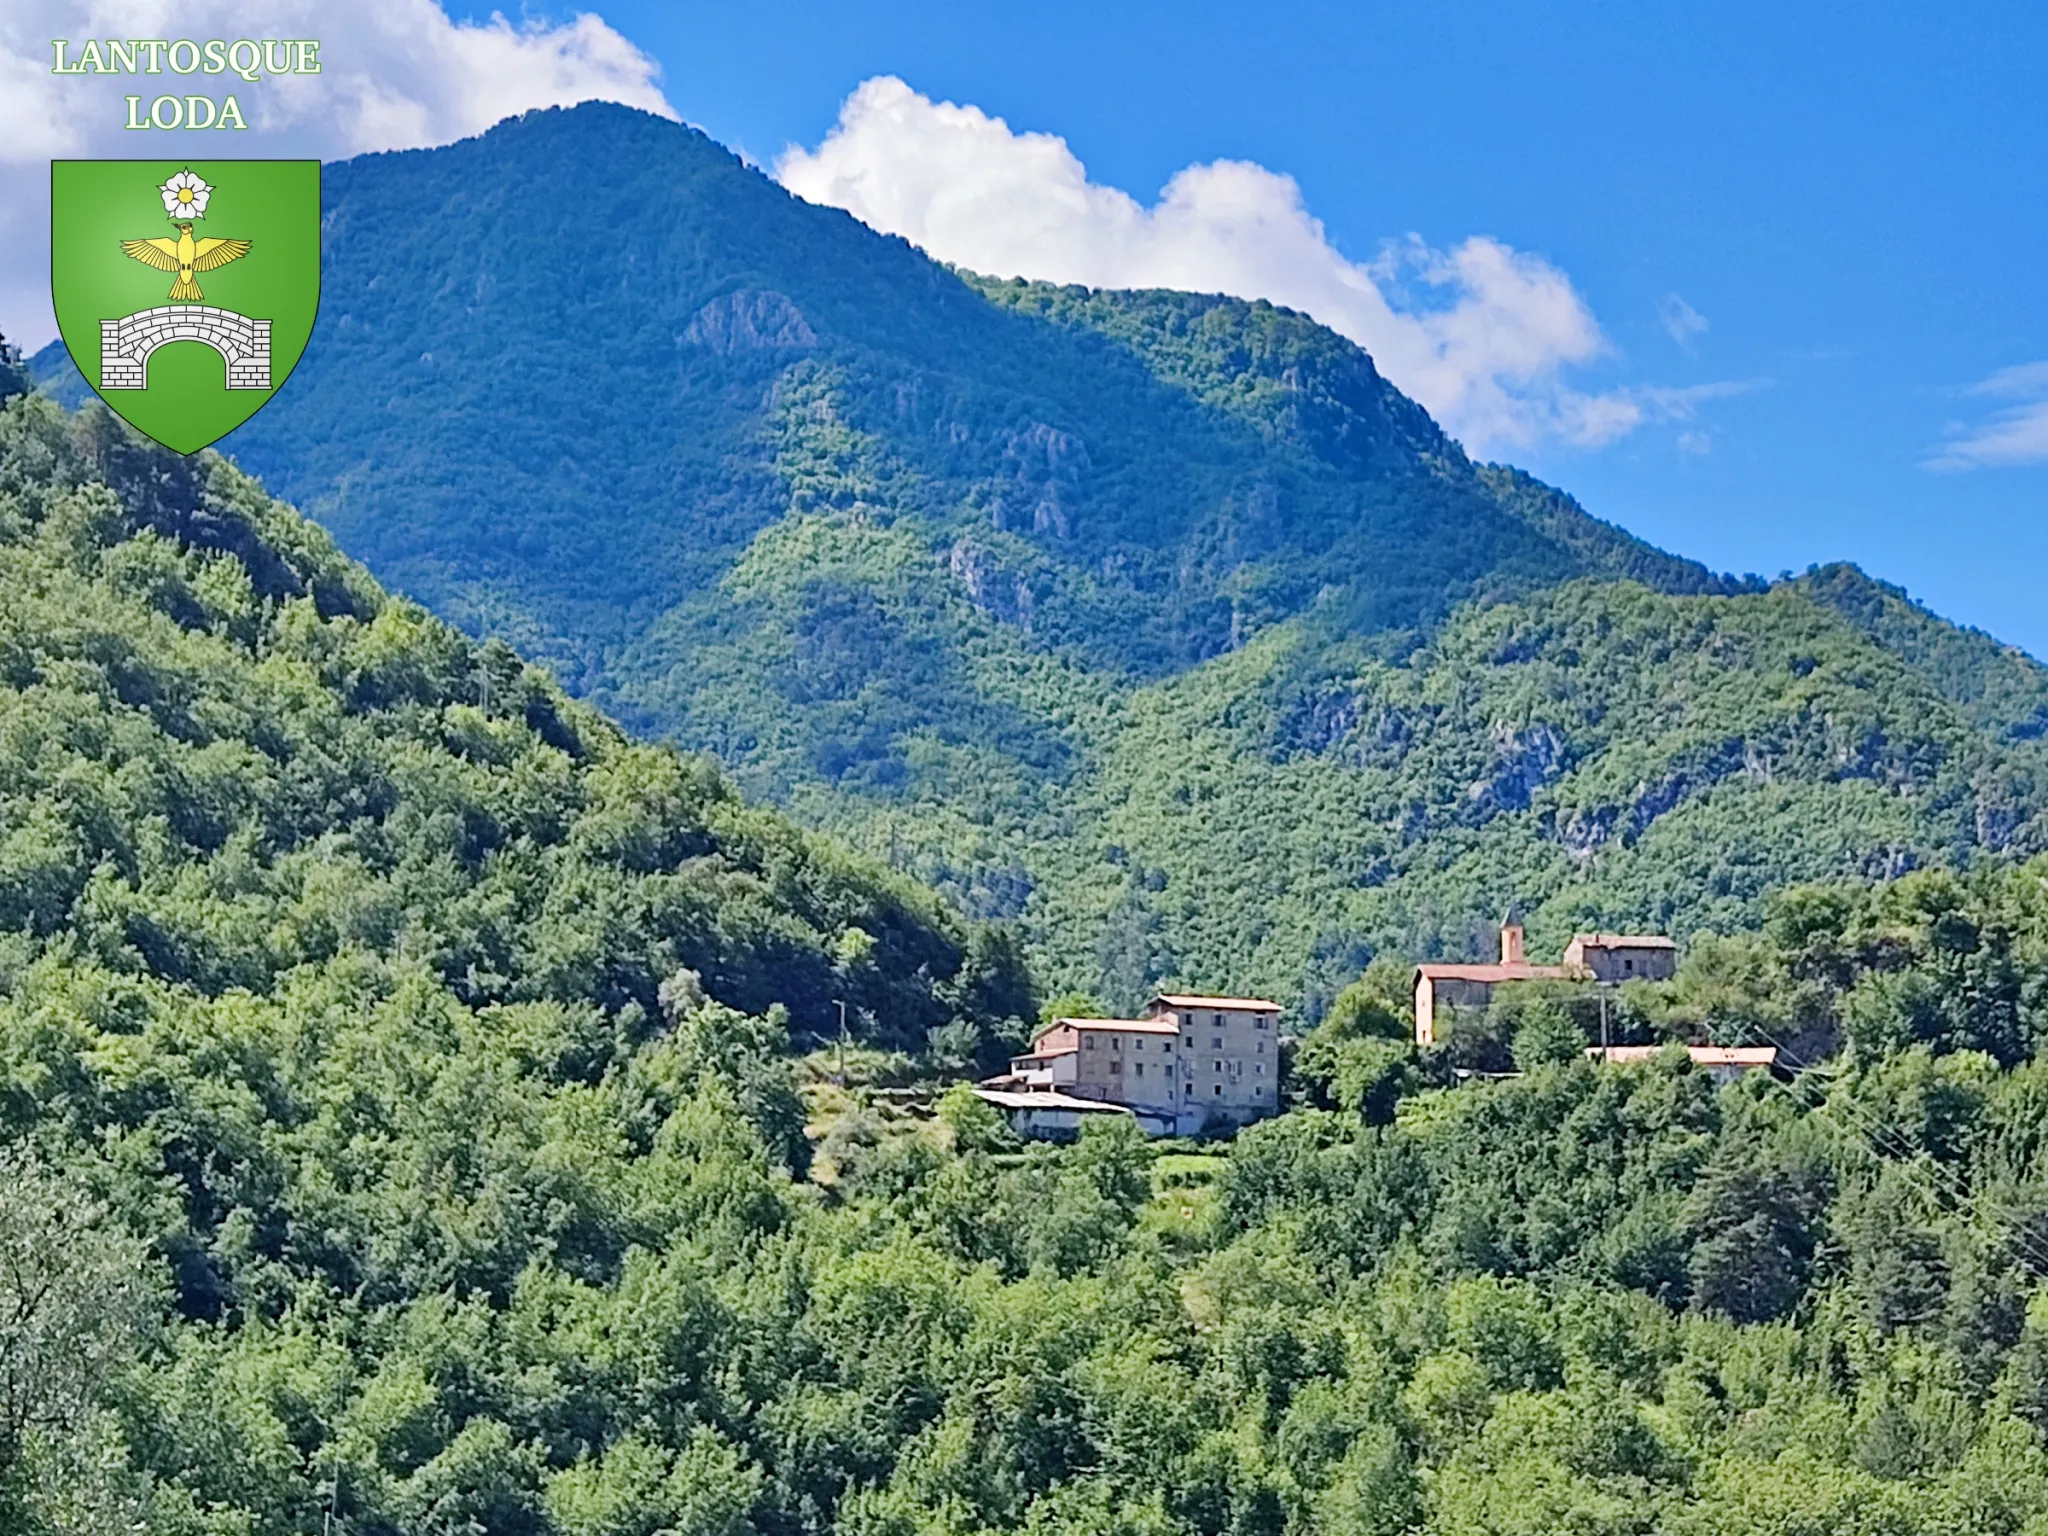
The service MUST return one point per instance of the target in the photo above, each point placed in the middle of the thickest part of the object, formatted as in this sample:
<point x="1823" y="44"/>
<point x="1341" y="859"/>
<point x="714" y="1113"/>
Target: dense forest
<point x="404" y="1129"/>
<point x="1158" y="624"/>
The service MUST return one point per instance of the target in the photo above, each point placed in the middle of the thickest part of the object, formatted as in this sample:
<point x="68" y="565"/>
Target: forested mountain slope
<point x="397" y="1132"/>
<point x="397" y="1136"/>
<point x="232" y="765"/>
<point x="1158" y="622"/>
<point x="1999" y="687"/>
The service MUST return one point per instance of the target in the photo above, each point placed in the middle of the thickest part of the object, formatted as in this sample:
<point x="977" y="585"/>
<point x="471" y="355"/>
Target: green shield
<point x="185" y="289"/>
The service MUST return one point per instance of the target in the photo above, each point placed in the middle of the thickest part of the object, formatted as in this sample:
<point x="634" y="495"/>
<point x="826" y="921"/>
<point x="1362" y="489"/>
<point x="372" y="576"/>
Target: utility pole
<point x="842" y="1039"/>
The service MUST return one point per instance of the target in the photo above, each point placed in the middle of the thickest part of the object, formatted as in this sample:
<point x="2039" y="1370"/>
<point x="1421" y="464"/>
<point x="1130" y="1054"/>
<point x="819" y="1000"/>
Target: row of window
<point x="1116" y="1043"/>
<point x="1259" y="1021"/>
<point x="1138" y="1068"/>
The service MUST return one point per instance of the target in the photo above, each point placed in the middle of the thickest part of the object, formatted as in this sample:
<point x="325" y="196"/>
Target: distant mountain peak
<point x="1161" y="623"/>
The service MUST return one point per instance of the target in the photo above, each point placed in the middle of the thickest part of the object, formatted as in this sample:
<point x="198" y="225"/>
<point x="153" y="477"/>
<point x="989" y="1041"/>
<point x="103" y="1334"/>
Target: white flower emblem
<point x="185" y="196"/>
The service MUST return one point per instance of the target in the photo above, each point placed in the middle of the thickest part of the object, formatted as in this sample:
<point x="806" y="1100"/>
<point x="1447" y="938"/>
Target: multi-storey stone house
<point x="1191" y="1060"/>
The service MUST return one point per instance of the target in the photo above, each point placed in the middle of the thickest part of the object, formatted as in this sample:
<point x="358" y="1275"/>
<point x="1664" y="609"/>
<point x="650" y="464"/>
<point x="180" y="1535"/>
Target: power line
<point x="1910" y="1163"/>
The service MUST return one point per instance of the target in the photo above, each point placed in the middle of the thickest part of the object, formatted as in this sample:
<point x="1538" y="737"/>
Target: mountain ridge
<point x="930" y="318"/>
<point x="990" y="578"/>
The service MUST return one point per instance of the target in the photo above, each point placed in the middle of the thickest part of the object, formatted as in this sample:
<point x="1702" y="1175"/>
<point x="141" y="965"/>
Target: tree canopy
<point x="401" y="1136"/>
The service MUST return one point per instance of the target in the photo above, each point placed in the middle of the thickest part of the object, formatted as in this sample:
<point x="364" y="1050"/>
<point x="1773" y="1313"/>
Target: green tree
<point x="639" y="1489"/>
<point x="75" y="1303"/>
<point x="1071" y="1005"/>
<point x="974" y="1125"/>
<point x="1755" y="1220"/>
<point x="14" y="374"/>
<point x="1546" y="1034"/>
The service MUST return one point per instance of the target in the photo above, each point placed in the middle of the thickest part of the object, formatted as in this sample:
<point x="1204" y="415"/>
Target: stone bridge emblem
<point x="236" y="269"/>
<point x="125" y="344"/>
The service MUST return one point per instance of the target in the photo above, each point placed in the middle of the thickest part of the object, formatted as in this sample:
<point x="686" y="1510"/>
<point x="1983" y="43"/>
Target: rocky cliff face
<point x="1157" y="622"/>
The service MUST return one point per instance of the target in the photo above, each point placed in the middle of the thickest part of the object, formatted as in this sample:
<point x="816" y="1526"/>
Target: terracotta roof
<point x="1203" y="1000"/>
<point x="1116" y="1026"/>
<point x="1624" y="941"/>
<point x="1702" y="1055"/>
<point x="1042" y="1098"/>
<point x="1495" y="972"/>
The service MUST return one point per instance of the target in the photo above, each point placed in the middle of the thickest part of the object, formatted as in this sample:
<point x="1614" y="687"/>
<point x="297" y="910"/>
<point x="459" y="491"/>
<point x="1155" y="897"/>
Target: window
<point x="1219" y="1067"/>
<point x="1216" y="1043"/>
<point x="1262" y="1047"/>
<point x="1089" y="1041"/>
<point x="1219" y="1090"/>
<point x="1137" y="1069"/>
<point x="1191" y="1090"/>
<point x="1116" y="1066"/>
<point x="1259" y="1068"/>
<point x="1263" y="1022"/>
<point x="1137" y="1045"/>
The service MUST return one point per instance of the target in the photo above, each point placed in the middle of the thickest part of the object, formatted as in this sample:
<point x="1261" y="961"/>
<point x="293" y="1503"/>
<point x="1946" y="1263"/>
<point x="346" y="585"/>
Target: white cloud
<point x="1482" y="334"/>
<point x="2023" y="381"/>
<point x="395" y="74"/>
<point x="2012" y="435"/>
<point x="1680" y="320"/>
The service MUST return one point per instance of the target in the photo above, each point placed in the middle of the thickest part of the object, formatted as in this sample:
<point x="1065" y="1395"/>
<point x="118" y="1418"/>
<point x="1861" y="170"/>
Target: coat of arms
<point x="241" y="248"/>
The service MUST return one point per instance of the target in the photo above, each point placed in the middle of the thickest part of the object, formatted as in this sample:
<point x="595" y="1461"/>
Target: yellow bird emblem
<point x="186" y="257"/>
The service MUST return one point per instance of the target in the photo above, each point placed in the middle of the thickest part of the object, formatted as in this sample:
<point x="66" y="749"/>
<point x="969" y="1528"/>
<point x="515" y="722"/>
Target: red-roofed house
<point x="1441" y="988"/>
<point x="1613" y="957"/>
<point x="1723" y="1063"/>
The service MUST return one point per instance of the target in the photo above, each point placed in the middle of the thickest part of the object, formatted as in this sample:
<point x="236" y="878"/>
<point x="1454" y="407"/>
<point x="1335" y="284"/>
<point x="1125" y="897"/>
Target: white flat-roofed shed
<point x="1045" y="1115"/>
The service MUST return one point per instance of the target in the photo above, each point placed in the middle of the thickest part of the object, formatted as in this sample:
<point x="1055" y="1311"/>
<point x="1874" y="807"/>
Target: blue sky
<point x="1852" y="197"/>
<point x="1734" y="274"/>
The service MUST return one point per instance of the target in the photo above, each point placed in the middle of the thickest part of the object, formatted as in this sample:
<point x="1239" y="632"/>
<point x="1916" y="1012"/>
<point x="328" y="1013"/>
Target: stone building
<point x="1445" y="989"/>
<point x="1230" y="1054"/>
<point x="1619" y="957"/>
<point x="1191" y="1060"/>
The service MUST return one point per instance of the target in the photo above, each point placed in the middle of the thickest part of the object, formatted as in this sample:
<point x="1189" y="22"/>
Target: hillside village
<point x="1193" y="1063"/>
<point x="1189" y="1062"/>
